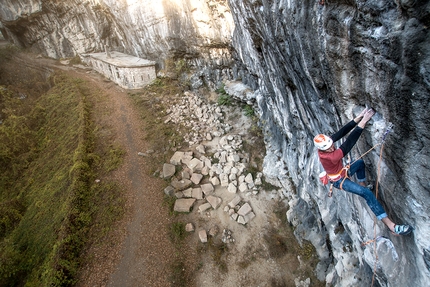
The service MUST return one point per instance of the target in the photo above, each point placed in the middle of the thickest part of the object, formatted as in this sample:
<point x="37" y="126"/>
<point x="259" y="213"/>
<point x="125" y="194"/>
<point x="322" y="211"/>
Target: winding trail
<point x="145" y="249"/>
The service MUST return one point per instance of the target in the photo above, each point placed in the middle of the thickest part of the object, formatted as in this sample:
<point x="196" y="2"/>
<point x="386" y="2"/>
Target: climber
<point x="331" y="160"/>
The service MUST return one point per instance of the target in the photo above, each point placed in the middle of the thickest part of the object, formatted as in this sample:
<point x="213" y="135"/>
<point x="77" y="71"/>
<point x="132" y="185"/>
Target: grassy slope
<point x="42" y="239"/>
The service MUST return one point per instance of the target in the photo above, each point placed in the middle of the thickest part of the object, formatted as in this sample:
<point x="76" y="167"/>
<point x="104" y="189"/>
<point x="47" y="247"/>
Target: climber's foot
<point x="402" y="229"/>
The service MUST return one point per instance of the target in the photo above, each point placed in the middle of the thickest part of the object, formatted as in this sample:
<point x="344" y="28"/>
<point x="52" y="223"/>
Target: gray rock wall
<point x="312" y="68"/>
<point x="315" y="66"/>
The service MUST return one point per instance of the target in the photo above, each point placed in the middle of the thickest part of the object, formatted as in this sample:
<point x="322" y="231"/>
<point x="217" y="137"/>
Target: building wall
<point x="127" y="78"/>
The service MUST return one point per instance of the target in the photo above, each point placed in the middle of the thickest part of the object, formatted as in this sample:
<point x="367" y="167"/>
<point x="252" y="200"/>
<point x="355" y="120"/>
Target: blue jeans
<point x="350" y="186"/>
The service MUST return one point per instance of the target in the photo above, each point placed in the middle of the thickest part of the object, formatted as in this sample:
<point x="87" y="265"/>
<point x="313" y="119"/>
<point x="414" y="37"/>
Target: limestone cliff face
<point x="312" y="67"/>
<point x="162" y="31"/>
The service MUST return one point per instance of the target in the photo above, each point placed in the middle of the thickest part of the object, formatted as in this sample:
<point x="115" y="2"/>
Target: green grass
<point x="151" y="104"/>
<point x="224" y="99"/>
<point x="49" y="199"/>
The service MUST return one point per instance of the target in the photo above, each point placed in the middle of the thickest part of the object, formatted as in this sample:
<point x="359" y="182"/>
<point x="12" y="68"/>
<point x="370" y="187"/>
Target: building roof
<point x="122" y="60"/>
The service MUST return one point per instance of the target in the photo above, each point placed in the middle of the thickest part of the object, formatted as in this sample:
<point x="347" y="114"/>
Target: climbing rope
<point x="375" y="238"/>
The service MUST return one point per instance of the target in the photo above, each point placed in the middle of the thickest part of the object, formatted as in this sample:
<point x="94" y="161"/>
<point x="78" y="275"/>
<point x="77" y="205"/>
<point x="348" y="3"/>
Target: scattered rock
<point x="177" y="158"/>
<point x="189" y="227"/>
<point x="196" y="178"/>
<point x="170" y="191"/>
<point x="197" y="193"/>
<point x="181" y="184"/>
<point x="184" y="204"/>
<point x="168" y="170"/>
<point x="205" y="206"/>
<point x="235" y="201"/>
<point x="214" y="231"/>
<point x="214" y="201"/>
<point x="245" y="209"/>
<point x="203" y="236"/>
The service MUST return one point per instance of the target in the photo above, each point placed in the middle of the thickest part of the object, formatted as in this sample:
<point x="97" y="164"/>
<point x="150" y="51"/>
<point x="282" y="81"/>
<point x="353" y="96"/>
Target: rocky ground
<point x="237" y="233"/>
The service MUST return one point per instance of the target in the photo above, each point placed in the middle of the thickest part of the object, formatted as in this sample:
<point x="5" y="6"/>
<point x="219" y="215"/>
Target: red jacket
<point x="332" y="161"/>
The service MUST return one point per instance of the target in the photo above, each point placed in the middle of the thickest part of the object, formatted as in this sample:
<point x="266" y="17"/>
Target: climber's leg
<point x="371" y="200"/>
<point x="358" y="168"/>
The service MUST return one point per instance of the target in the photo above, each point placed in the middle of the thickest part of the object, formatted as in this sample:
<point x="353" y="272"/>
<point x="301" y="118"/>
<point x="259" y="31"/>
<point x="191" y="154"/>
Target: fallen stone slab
<point x="248" y="178"/>
<point x="188" y="192"/>
<point x="245" y="209"/>
<point x="243" y="187"/>
<point x="189" y="227"/>
<point x="241" y="220"/>
<point x="187" y="157"/>
<point x="250" y="216"/>
<point x="170" y="191"/>
<point x="181" y="184"/>
<point x="232" y="188"/>
<point x="235" y="201"/>
<point x="201" y="149"/>
<point x="214" y="201"/>
<point x="168" y="170"/>
<point x="215" y="181"/>
<point x="234" y="216"/>
<point x="185" y="174"/>
<point x="176" y="159"/>
<point x="203" y="236"/>
<point x="207" y="188"/>
<point x="196" y="178"/>
<point x="184" y="204"/>
<point x="195" y="165"/>
<point x="205" y="170"/>
<point x="197" y="193"/>
<point x="205" y="206"/>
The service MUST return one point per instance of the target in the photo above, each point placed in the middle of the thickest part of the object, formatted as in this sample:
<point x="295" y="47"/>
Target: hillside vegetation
<point x="51" y="154"/>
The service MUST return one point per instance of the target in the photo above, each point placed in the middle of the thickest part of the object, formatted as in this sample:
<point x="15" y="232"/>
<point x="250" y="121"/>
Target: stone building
<point x="127" y="71"/>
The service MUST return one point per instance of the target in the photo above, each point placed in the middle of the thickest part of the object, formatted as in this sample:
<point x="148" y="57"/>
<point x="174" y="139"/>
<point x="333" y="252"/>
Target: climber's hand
<point x="366" y="117"/>
<point x="362" y="112"/>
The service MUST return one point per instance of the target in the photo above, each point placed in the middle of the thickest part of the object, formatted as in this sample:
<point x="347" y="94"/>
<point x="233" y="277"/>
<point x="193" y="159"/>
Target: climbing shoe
<point x="403" y="229"/>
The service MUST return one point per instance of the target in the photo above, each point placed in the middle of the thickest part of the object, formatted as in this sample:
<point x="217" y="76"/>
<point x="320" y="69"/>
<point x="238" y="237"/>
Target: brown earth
<point x="138" y="250"/>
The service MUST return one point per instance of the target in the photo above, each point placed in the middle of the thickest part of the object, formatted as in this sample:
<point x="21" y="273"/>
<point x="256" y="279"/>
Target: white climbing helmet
<point x="322" y="142"/>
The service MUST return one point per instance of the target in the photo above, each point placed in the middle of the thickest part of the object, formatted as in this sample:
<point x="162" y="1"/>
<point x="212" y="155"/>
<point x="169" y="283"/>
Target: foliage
<point x="224" y="99"/>
<point x="46" y="215"/>
<point x="161" y="137"/>
<point x="177" y="232"/>
<point x="248" y="111"/>
<point x="75" y="60"/>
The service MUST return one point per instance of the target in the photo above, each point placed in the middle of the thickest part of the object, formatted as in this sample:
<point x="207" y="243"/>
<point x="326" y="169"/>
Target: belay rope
<point x="375" y="238"/>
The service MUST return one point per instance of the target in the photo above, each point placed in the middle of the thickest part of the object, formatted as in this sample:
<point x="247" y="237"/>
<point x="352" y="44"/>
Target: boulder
<point x="214" y="201"/>
<point x="181" y="184"/>
<point x="196" y="178"/>
<point x="176" y="159"/>
<point x="245" y="209"/>
<point x="203" y="236"/>
<point x="184" y="204"/>
<point x="168" y="170"/>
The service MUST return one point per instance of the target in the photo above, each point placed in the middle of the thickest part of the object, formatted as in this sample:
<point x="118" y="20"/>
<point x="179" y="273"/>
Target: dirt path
<point x="138" y="251"/>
